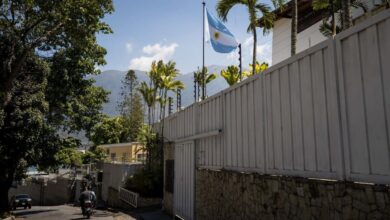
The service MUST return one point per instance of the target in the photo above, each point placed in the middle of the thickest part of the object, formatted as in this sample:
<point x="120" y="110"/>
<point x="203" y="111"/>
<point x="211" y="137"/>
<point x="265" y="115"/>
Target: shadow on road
<point x="95" y="214"/>
<point x="32" y="212"/>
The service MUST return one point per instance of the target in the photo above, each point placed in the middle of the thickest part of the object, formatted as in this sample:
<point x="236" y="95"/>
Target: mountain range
<point x="111" y="80"/>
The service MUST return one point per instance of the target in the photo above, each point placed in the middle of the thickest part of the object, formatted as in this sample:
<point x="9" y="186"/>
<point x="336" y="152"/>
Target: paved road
<point x="65" y="212"/>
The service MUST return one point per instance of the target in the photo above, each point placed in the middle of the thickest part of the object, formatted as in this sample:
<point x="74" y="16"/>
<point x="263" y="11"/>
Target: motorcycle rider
<point x="86" y="195"/>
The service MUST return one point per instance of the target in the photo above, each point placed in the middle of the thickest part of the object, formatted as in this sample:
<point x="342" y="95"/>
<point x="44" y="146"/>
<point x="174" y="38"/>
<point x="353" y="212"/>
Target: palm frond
<point x="320" y="5"/>
<point x="360" y="4"/>
<point x="211" y="77"/>
<point x="224" y="6"/>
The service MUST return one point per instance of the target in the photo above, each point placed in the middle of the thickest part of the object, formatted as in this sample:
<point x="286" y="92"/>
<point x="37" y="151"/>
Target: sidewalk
<point x="148" y="213"/>
<point x="154" y="215"/>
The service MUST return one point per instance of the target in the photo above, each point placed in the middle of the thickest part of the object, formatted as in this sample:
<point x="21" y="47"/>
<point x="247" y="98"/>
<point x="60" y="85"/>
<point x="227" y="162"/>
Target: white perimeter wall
<point x="322" y="113"/>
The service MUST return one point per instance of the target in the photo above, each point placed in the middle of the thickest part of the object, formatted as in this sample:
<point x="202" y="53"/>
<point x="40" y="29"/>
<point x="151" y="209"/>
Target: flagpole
<point x="203" y="73"/>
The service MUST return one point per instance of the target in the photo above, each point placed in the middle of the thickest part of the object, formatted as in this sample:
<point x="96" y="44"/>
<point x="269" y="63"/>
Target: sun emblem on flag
<point x="216" y="35"/>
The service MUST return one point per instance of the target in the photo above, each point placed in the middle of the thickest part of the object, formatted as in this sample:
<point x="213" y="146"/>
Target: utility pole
<point x="178" y="100"/>
<point x="240" y="60"/>
<point x="195" y="90"/>
<point x="169" y="105"/>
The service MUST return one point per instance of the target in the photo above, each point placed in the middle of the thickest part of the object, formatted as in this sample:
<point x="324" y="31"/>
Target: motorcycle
<point x="87" y="208"/>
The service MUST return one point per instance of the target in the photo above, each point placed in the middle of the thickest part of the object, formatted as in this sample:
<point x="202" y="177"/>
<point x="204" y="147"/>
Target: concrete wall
<point x="234" y="195"/>
<point x="53" y="193"/>
<point x="169" y="154"/>
<point x="115" y="175"/>
<point x="281" y="43"/>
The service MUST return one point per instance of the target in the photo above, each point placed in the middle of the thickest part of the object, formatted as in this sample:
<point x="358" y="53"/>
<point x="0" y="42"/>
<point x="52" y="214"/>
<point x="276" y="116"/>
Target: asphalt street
<point x="65" y="212"/>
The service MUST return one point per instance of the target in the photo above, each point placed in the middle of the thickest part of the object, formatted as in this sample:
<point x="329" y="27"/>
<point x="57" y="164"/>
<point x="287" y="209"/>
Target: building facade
<point x="309" y="22"/>
<point x="125" y="152"/>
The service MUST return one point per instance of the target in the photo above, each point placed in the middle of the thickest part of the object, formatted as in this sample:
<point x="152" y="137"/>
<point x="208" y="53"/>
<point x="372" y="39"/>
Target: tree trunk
<point x="333" y="18"/>
<point x="346" y="16"/>
<point x="162" y="135"/>
<point x="294" y="27"/>
<point x="254" y="50"/>
<point x="5" y="185"/>
<point x="149" y="117"/>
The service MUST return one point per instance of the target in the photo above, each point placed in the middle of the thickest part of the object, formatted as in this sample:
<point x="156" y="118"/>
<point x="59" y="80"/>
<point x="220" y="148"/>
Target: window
<point x="113" y="156"/>
<point x="125" y="157"/>
<point x="141" y="157"/>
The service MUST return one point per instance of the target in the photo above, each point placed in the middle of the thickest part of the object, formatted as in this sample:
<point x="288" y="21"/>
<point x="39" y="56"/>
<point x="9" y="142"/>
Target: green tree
<point x="331" y="27"/>
<point x="148" y="95"/>
<point x="254" y="7"/>
<point x="46" y="50"/>
<point x="134" y="119"/>
<point x="42" y="26"/>
<point x="199" y="79"/>
<point x="69" y="157"/>
<point x="231" y="75"/>
<point x="93" y="155"/>
<point x="129" y="86"/>
<point x="131" y="107"/>
<point x="110" y="131"/>
<point x="259" y="68"/>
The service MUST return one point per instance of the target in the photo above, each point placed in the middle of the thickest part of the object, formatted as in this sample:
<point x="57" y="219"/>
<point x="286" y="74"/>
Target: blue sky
<point x="145" y="30"/>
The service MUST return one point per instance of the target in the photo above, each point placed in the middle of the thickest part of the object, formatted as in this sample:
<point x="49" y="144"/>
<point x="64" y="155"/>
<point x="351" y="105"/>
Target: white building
<point x="309" y="22"/>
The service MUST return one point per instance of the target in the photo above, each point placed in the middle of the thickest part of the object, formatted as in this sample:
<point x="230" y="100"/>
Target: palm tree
<point x="168" y="84"/>
<point x="259" y="68"/>
<point x="254" y="6"/>
<point x="294" y="27"/>
<point x="346" y="19"/>
<point x="199" y="80"/>
<point x="333" y="6"/>
<point x="147" y="93"/>
<point x="231" y="75"/>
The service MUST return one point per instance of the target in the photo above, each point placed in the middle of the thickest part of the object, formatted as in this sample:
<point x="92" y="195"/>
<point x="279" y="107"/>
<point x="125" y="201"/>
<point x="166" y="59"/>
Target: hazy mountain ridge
<point x="111" y="80"/>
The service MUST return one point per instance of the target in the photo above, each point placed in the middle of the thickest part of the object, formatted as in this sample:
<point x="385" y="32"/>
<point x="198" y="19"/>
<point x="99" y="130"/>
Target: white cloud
<point x="233" y="55"/>
<point x="263" y="51"/>
<point x="248" y="42"/>
<point x="154" y="52"/>
<point x="129" y="47"/>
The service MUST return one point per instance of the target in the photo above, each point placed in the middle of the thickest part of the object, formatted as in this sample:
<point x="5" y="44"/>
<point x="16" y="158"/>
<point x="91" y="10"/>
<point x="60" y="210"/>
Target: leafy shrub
<point x="146" y="182"/>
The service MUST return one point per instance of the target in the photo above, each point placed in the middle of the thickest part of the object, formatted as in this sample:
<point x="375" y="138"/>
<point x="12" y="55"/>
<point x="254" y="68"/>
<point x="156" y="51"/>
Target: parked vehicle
<point x="21" y="200"/>
<point x="87" y="208"/>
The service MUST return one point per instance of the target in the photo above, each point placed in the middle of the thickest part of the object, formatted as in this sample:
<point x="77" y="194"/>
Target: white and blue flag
<point x="221" y="38"/>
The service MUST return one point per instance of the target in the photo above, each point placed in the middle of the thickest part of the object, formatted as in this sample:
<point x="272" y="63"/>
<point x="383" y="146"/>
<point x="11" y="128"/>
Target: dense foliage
<point x="149" y="180"/>
<point x="131" y="107"/>
<point x="46" y="50"/>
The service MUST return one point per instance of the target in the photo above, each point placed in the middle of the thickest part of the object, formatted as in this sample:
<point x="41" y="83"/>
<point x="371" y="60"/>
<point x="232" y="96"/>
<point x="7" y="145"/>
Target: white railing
<point x="129" y="197"/>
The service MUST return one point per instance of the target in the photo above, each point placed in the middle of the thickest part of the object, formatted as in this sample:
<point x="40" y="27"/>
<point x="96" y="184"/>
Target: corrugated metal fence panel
<point x="179" y="125"/>
<point x="301" y="115"/>
<point x="209" y="152"/>
<point x="184" y="180"/>
<point x="364" y="67"/>
<point x="244" y="126"/>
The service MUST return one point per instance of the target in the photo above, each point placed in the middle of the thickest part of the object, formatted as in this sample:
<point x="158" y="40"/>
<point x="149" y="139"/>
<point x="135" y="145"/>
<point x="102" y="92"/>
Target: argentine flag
<point x="221" y="39"/>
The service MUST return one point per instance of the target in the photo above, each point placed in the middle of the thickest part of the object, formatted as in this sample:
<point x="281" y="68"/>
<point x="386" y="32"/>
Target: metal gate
<point x="184" y="193"/>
